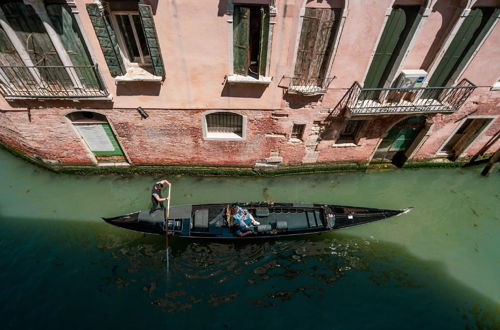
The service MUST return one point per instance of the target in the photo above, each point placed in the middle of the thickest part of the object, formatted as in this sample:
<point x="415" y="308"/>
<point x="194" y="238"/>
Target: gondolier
<point x="156" y="197"/>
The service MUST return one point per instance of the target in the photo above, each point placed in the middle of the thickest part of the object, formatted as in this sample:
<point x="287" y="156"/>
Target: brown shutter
<point x="317" y="39"/>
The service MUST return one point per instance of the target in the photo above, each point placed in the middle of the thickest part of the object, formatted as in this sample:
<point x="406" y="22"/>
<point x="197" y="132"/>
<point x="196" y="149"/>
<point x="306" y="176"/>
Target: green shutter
<point x="117" y="149"/>
<point x="264" y="39"/>
<point x="241" y="26"/>
<point x="399" y="27"/>
<point x="66" y="27"/>
<point x="148" y="26"/>
<point x="107" y="40"/>
<point x="471" y="33"/>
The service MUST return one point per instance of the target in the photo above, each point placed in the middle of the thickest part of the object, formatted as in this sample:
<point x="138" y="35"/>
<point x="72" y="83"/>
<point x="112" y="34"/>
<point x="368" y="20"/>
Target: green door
<point x="399" y="138"/>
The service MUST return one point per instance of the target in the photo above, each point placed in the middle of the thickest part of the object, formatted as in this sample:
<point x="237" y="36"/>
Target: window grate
<point x="222" y="122"/>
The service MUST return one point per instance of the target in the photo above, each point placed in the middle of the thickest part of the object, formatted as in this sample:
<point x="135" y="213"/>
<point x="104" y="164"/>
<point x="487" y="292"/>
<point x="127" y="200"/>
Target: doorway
<point x="464" y="136"/>
<point x="394" y="147"/>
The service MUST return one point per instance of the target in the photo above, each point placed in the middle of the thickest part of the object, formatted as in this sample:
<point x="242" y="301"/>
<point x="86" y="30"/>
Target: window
<point x="298" y="131"/>
<point x="250" y="40"/>
<point x="43" y="53"/>
<point x="317" y="41"/>
<point x="132" y="38"/>
<point x="97" y="134"/>
<point x="350" y="133"/>
<point x="128" y="39"/>
<point x="224" y="125"/>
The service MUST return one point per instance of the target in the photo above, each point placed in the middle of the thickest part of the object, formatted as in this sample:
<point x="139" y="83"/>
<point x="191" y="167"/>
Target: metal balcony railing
<point x="54" y="82"/>
<point x="375" y="101"/>
<point x="314" y="86"/>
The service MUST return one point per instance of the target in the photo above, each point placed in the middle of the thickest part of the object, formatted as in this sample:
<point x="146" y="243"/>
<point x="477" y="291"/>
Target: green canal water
<point x="437" y="267"/>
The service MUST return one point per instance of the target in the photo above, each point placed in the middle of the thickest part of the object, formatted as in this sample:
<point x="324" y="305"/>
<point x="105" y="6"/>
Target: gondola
<point x="214" y="221"/>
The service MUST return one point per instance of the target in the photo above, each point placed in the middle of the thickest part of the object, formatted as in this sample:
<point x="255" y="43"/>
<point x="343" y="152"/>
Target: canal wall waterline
<point x="231" y="171"/>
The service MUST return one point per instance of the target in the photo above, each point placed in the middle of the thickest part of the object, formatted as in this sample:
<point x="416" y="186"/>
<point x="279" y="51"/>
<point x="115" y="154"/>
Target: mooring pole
<point x="491" y="163"/>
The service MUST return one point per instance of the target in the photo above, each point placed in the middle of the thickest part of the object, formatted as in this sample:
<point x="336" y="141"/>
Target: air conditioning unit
<point x="411" y="78"/>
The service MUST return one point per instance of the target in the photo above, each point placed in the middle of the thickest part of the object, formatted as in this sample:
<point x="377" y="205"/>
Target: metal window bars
<point x="224" y="122"/>
<point x="373" y="101"/>
<point x="56" y="82"/>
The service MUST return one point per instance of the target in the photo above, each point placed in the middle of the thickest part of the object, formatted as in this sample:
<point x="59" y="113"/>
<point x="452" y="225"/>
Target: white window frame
<point x="121" y="37"/>
<point x="218" y="136"/>
<point x="233" y="78"/>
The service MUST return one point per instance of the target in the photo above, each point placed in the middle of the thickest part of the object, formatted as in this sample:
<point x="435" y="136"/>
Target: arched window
<point x="97" y="134"/>
<point x="224" y="126"/>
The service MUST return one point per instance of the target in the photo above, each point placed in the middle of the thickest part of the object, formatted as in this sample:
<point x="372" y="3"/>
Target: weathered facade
<point x="249" y="82"/>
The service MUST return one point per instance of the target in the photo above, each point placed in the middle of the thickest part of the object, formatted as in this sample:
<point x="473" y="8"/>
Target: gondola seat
<point x="264" y="228"/>
<point x="281" y="225"/>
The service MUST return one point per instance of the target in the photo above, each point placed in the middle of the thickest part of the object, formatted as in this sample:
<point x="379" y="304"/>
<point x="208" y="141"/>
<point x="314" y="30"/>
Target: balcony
<point x="389" y="101"/>
<point x="308" y="87"/>
<point x="51" y="82"/>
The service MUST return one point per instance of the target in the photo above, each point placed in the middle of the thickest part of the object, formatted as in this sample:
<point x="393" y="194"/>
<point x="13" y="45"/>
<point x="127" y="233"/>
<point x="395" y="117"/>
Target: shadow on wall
<point x="152" y="3"/>
<point x="447" y="24"/>
<point x="222" y="8"/>
<point x="295" y="101"/>
<point x="243" y="90"/>
<point x="138" y="88"/>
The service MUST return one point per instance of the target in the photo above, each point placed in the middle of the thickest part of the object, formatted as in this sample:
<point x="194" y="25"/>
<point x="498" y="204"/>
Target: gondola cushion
<point x="263" y="228"/>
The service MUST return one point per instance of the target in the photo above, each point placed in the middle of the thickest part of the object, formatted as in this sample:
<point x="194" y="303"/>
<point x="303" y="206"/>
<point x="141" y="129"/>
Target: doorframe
<point x="391" y="127"/>
<point x="455" y="130"/>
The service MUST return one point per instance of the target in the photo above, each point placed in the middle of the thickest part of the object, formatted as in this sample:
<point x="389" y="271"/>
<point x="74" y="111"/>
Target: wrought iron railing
<point x="314" y="86"/>
<point x="57" y="82"/>
<point x="373" y="101"/>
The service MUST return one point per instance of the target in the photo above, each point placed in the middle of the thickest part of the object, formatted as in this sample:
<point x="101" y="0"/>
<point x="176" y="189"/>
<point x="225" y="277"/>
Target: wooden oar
<point x="167" y="215"/>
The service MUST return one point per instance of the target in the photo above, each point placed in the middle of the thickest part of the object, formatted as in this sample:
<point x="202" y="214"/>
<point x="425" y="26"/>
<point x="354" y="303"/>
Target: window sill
<point x="223" y="137"/>
<point x="344" y="145"/>
<point x="138" y="77"/>
<point x="238" y="79"/>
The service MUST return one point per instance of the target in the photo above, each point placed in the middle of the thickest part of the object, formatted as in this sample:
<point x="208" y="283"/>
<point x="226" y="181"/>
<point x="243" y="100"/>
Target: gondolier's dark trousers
<point x="155" y="204"/>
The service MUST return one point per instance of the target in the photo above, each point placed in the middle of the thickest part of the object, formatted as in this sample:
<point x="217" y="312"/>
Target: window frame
<point x="121" y="38"/>
<point x="233" y="77"/>
<point x="213" y="136"/>
<point x="356" y="135"/>
<point x="302" y="130"/>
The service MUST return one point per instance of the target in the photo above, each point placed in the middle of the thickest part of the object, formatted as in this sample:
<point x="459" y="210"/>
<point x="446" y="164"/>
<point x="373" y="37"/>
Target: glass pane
<point x="142" y="38"/>
<point x="128" y="37"/>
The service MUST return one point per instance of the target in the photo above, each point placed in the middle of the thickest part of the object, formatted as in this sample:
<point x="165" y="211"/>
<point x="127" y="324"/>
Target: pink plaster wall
<point x="194" y="39"/>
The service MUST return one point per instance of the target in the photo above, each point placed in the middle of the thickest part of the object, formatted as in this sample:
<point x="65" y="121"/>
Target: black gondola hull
<point x="277" y="220"/>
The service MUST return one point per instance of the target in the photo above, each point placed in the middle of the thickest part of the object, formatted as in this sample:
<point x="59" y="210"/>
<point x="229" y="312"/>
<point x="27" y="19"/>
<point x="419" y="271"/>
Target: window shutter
<point x="30" y="30"/>
<point x="241" y="26"/>
<point x="386" y="48"/>
<point x="264" y="39"/>
<point x="107" y="40"/>
<point x="66" y="27"/>
<point x="319" y="28"/>
<point x="466" y="41"/>
<point x="148" y="26"/>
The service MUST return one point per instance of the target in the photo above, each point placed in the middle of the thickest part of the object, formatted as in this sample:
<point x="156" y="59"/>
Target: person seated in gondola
<point x="243" y="220"/>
